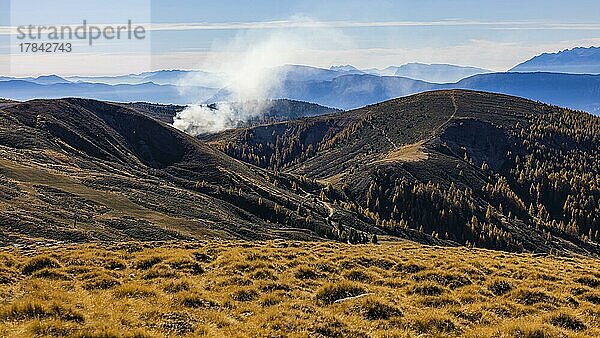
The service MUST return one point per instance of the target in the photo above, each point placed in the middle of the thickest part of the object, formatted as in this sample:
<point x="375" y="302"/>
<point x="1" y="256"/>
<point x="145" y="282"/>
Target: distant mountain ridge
<point x="438" y="73"/>
<point x="434" y="73"/>
<point x="23" y="90"/>
<point x="577" y="61"/>
<point x="43" y="80"/>
<point x="576" y="91"/>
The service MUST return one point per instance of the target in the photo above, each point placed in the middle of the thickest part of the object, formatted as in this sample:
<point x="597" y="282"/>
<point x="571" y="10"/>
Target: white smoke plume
<point x="250" y="65"/>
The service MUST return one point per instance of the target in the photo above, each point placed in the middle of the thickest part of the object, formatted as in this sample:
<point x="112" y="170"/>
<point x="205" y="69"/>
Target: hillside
<point x="448" y="167"/>
<point x="285" y="110"/>
<point x="161" y="112"/>
<point x="79" y="170"/>
<point x="576" y="61"/>
<point x="285" y="288"/>
<point x="480" y="169"/>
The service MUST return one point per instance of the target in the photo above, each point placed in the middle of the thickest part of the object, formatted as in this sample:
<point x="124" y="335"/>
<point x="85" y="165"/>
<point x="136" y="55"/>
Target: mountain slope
<point x="477" y="168"/>
<point x="577" y="61"/>
<point x="80" y="170"/>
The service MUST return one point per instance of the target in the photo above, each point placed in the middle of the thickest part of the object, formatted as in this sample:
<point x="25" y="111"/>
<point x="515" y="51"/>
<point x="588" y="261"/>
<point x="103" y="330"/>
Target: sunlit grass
<point x="281" y="288"/>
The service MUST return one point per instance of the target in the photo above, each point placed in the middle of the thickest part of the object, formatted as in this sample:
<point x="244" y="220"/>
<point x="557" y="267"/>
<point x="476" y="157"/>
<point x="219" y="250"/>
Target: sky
<point x="187" y="34"/>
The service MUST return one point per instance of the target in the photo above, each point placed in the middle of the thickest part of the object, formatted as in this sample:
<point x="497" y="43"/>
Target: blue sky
<point x="489" y="34"/>
<point x="387" y="10"/>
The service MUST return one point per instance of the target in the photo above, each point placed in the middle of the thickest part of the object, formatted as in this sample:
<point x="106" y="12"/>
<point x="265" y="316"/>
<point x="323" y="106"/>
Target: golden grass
<point x="408" y="153"/>
<point x="297" y="289"/>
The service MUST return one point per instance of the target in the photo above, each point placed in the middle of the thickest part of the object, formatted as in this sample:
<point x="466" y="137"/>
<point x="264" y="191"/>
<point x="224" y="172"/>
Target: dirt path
<point x="384" y="135"/>
<point x="433" y="133"/>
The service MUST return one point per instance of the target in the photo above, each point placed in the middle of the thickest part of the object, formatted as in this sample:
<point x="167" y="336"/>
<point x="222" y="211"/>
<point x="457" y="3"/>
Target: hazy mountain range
<point x="577" y="91"/>
<point x="342" y="87"/>
<point x="576" y="61"/>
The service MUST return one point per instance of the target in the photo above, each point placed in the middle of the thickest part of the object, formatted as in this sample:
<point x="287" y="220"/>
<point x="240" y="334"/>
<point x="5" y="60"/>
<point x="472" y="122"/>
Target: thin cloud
<point x="289" y="24"/>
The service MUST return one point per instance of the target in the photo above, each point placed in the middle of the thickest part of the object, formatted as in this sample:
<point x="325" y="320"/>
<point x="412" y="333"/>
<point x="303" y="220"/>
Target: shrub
<point x="53" y="328"/>
<point x="108" y="333"/>
<point x="499" y="288"/>
<point x="203" y="257"/>
<point x="578" y="291"/>
<point x="526" y="329"/>
<point x="438" y="302"/>
<point x="269" y="287"/>
<point x="567" y="322"/>
<point x="24" y="310"/>
<point x="65" y="314"/>
<point x="39" y="263"/>
<point x="471" y="316"/>
<point x="330" y="293"/>
<point x="7" y="276"/>
<point x="177" y="323"/>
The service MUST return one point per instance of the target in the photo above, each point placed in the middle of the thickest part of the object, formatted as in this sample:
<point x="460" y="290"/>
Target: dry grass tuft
<point x="500" y="287"/>
<point x="333" y="292"/>
<point x="375" y="309"/>
<point x="38" y="263"/>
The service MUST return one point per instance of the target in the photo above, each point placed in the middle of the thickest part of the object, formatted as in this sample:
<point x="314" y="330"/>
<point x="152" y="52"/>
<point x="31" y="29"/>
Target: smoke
<point x="250" y="67"/>
<point x="212" y="118"/>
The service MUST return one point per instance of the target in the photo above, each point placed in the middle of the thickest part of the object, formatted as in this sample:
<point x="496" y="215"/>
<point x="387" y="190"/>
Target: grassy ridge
<point x="295" y="289"/>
